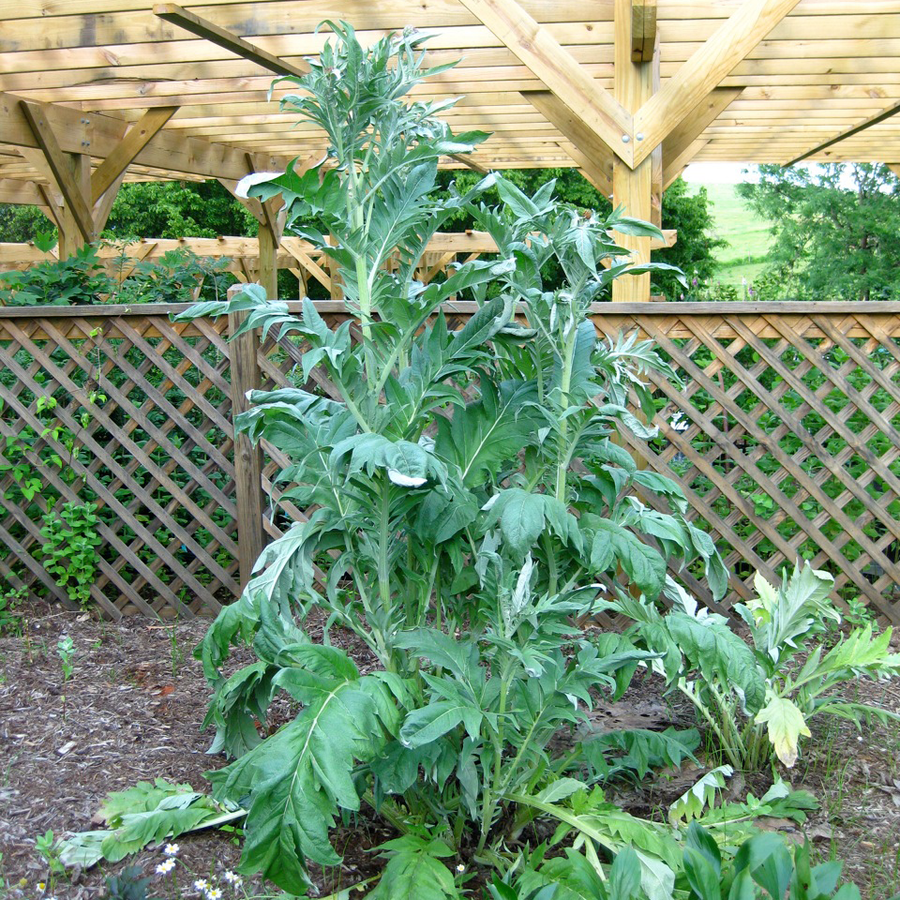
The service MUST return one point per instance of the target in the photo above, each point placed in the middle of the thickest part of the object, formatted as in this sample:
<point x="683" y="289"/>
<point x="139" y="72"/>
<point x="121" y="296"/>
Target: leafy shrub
<point x="77" y="279"/>
<point x="83" y="279"/>
<point x="173" y="278"/>
<point x="70" y="549"/>
<point x="466" y="498"/>
<point x="759" y="698"/>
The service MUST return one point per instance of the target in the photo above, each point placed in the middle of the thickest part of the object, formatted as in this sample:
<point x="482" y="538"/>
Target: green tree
<point x="694" y="251"/>
<point x="835" y="229"/>
<point x="21" y="223"/>
<point x="153" y="209"/>
<point x="173" y="209"/>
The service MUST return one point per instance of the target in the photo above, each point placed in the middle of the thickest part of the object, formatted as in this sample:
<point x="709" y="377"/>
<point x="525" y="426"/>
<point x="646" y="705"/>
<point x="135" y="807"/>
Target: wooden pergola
<point x="97" y="92"/>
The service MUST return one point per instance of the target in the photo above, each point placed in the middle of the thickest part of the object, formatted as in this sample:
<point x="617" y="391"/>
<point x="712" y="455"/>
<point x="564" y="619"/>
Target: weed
<point x="48" y="848"/>
<point x="127" y="885"/>
<point x="7" y="772"/>
<point x="10" y="618"/>
<point x="65" y="649"/>
<point x="176" y="651"/>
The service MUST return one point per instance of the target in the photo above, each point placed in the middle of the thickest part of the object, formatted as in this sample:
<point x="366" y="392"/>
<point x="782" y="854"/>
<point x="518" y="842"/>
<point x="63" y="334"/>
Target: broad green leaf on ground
<point x="142" y="815"/>
<point x="143" y="797"/>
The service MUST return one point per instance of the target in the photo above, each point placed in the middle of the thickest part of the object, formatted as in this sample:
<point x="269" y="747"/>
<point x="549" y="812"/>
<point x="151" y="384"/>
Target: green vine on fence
<point x="70" y="551"/>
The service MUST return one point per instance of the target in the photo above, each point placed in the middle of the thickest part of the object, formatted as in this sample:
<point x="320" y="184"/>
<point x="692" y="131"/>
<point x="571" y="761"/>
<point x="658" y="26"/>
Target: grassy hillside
<point x="747" y="235"/>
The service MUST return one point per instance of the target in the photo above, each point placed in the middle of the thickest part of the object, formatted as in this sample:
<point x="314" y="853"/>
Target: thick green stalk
<point x="562" y="464"/>
<point x="492" y="797"/>
<point x="357" y="217"/>
<point x="384" y="537"/>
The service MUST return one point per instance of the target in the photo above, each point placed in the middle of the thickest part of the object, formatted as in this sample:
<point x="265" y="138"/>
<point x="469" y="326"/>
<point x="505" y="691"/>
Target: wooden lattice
<point x="132" y="413"/>
<point x="784" y="433"/>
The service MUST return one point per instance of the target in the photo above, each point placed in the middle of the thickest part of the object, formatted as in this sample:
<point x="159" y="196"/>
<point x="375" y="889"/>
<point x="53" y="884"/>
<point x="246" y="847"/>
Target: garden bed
<point x="132" y="710"/>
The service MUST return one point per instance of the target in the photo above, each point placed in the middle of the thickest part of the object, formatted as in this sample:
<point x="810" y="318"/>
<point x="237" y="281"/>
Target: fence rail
<point x="784" y="432"/>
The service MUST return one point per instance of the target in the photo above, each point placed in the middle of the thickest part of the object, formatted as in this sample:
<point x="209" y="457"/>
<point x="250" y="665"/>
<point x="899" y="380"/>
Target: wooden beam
<point x="268" y="262"/>
<point x="537" y="49"/>
<point x="656" y="158"/>
<point x="706" y="68"/>
<point x="139" y="135"/>
<point x="594" y="173"/>
<point x="103" y="207"/>
<point x="246" y="377"/>
<point x="696" y="122"/>
<point x="591" y="154"/>
<point x="293" y="246"/>
<point x="60" y="166"/>
<point x="874" y="120"/>
<point x="52" y="206"/>
<point x="643" y="30"/>
<point x="24" y="193"/>
<point x="98" y="135"/>
<point x="209" y="31"/>
<point x="469" y="163"/>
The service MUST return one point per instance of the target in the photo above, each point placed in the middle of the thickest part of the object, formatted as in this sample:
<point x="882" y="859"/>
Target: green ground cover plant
<point x="759" y="698"/>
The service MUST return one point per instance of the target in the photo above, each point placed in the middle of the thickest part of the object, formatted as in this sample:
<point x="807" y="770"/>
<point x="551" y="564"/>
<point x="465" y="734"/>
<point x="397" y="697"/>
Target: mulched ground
<point x="132" y="711"/>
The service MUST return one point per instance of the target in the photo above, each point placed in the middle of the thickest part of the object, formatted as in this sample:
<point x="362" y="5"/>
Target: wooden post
<point x="632" y="188"/>
<point x="245" y="376"/>
<point x="268" y="261"/>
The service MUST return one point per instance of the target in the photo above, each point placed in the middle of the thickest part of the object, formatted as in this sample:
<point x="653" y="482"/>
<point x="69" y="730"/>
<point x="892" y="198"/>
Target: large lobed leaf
<point x="296" y="782"/>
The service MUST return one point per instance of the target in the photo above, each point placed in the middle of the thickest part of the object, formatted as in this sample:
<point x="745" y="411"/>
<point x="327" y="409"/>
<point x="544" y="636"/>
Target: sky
<point x="720" y="173"/>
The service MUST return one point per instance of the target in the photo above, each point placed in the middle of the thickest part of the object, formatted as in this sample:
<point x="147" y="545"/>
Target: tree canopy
<point x="836" y="231"/>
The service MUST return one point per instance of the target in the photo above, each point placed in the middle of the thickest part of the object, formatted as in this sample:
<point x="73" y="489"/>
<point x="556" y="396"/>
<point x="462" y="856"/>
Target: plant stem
<point x="565" y="384"/>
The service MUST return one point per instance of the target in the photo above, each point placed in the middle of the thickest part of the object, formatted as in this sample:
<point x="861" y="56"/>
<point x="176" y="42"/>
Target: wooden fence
<point x="784" y="432"/>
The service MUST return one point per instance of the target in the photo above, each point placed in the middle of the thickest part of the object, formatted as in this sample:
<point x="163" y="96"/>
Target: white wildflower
<point x="165" y="867"/>
<point x="171" y="850"/>
<point x="202" y="885"/>
<point x="233" y="879"/>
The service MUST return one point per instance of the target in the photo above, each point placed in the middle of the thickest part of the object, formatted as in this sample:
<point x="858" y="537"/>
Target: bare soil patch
<point x="132" y="711"/>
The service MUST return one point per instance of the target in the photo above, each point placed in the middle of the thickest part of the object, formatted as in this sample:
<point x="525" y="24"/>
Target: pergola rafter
<point x="95" y="93"/>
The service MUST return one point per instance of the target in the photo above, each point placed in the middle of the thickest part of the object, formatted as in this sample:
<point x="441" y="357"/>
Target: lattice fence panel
<point x="132" y="414"/>
<point x="785" y="434"/>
